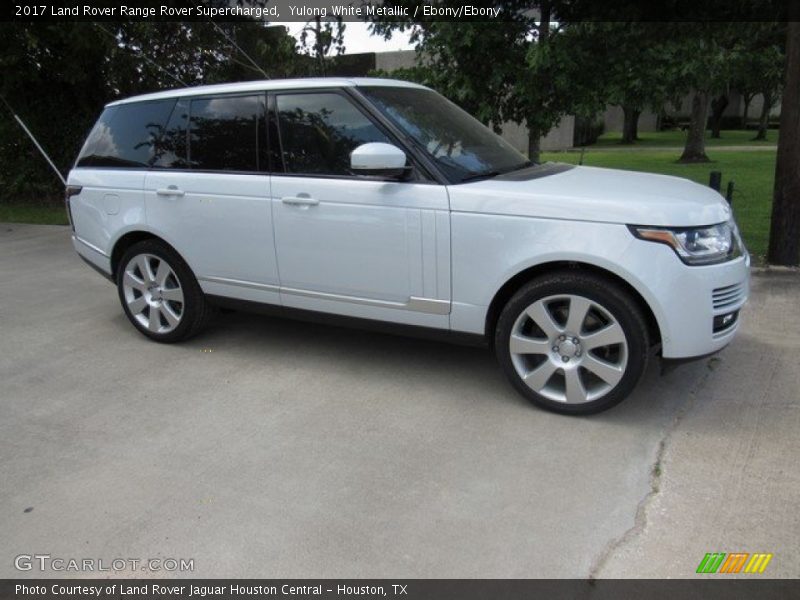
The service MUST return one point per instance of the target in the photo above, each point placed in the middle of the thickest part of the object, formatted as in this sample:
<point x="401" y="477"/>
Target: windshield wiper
<point x="485" y="174"/>
<point x="495" y="173"/>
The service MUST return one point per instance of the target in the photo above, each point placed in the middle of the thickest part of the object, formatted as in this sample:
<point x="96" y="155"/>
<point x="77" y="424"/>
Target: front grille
<point x="730" y="295"/>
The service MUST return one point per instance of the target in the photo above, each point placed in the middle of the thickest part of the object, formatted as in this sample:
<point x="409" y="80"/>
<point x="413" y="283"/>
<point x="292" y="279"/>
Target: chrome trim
<point x="90" y="246"/>
<point x="428" y="305"/>
<point x="238" y="282"/>
<point x="415" y="303"/>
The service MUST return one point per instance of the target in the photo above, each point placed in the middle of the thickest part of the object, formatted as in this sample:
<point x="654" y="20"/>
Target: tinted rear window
<point x="228" y="134"/>
<point x="172" y="148"/>
<point x="126" y="135"/>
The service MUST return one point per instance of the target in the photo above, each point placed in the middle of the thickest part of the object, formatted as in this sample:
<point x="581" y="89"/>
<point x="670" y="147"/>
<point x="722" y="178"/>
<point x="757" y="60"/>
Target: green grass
<point x="752" y="171"/>
<point x="41" y="215"/>
<point x="678" y="138"/>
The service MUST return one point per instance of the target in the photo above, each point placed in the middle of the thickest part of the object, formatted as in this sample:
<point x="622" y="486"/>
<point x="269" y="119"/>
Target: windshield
<point x="461" y="146"/>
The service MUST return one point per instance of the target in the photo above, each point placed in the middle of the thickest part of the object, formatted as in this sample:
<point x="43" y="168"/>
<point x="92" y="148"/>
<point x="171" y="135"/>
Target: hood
<point x="553" y="191"/>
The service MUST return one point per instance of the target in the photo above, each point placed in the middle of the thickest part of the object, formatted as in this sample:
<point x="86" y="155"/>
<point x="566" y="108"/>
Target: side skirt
<point x="428" y="333"/>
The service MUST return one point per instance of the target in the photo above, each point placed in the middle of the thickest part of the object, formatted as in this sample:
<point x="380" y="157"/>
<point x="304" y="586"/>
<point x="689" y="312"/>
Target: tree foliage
<point x="58" y="76"/>
<point x="528" y="70"/>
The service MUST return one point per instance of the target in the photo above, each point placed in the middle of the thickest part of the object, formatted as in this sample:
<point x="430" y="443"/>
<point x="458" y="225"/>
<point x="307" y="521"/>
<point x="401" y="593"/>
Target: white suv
<point x="382" y="200"/>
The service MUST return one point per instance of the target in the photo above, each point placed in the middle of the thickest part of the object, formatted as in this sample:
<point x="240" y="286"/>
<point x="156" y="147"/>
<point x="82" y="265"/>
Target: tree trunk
<point x="630" y="125"/>
<point x="718" y="106"/>
<point x="534" y="144"/>
<point x="747" y="100"/>
<point x="695" y="148"/>
<point x="763" y="121"/>
<point x="784" y="233"/>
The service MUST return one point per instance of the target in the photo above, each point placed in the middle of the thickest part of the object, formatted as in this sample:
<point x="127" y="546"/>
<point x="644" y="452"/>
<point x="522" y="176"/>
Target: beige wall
<point x="614" y="118"/>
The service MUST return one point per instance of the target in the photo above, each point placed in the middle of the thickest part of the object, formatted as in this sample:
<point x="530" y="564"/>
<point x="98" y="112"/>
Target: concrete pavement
<point x="274" y="448"/>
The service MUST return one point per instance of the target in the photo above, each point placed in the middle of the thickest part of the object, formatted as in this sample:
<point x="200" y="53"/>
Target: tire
<point x="572" y="342"/>
<point x="160" y="294"/>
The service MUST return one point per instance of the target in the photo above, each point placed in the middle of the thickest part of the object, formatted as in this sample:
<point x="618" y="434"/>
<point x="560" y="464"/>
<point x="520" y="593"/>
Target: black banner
<point x="406" y="589"/>
<point x="404" y="10"/>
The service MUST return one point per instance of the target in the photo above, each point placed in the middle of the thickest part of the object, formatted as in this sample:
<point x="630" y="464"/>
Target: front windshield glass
<point x="462" y="146"/>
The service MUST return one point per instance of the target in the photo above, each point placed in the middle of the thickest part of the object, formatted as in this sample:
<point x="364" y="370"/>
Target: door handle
<point x="170" y="191"/>
<point x="299" y="201"/>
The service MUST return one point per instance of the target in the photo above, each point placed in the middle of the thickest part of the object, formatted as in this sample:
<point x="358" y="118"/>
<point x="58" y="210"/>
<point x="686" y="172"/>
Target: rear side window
<point x="228" y="134"/>
<point x="172" y="148"/>
<point x="125" y="135"/>
<point x="319" y="131"/>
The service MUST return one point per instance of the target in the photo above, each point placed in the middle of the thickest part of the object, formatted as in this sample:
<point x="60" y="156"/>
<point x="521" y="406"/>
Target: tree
<point x="59" y="97"/>
<point x="634" y="59"/>
<point x="702" y="66"/>
<point x="757" y="67"/>
<point x="524" y="71"/>
<point x="319" y="37"/>
<point x="784" y="239"/>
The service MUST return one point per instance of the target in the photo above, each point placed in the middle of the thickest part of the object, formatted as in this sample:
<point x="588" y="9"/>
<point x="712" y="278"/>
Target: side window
<point x="319" y="131"/>
<point x="125" y="135"/>
<point x="228" y="134"/>
<point x="172" y="149"/>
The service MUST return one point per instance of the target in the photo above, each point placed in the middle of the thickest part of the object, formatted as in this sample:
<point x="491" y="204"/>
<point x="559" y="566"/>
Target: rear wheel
<point x="572" y="342"/>
<point x="159" y="293"/>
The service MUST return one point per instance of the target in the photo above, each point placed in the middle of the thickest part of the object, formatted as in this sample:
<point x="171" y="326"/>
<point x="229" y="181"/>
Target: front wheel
<point x="572" y="342"/>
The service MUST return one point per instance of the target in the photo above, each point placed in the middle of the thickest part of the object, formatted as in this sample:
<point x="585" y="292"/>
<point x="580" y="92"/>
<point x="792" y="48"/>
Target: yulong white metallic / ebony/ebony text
<point x="381" y="200"/>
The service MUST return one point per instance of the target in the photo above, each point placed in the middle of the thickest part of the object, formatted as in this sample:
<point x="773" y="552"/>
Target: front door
<point x="350" y="245"/>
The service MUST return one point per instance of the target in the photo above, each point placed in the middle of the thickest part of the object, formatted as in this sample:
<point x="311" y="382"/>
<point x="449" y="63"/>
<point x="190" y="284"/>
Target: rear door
<point x="208" y="194"/>
<point x="353" y="245"/>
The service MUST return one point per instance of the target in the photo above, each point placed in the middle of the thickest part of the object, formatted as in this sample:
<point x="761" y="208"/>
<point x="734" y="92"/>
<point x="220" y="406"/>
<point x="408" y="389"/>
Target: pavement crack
<point x="656" y="471"/>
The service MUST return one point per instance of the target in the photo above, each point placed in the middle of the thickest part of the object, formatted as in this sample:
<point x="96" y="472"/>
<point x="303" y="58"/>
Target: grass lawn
<point x="42" y="215"/>
<point x="752" y="171"/>
<point x="678" y="138"/>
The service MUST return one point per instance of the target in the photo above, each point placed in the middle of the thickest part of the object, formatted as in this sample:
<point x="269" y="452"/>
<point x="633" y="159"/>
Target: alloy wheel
<point x="153" y="293"/>
<point x="569" y="349"/>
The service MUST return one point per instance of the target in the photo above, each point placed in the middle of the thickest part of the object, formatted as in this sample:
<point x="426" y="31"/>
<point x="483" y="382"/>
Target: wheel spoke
<point x="154" y="324"/>
<point x="146" y="270"/>
<point x="575" y="391"/>
<point x="172" y="294"/>
<point x="162" y="272"/>
<point x="578" y="308"/>
<point x="609" y="373"/>
<point x="131" y="280"/>
<point x="138" y="305"/>
<point x="170" y="315"/>
<point x="539" y="377"/>
<point x="540" y="315"/>
<point x="608" y="336"/>
<point x="521" y="344"/>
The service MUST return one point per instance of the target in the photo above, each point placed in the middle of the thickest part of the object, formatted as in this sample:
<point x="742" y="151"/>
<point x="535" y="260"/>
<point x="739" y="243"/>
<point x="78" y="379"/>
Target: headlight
<point x="695" y="245"/>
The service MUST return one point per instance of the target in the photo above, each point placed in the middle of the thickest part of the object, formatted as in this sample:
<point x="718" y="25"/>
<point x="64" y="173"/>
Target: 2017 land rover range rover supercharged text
<point x="382" y="200"/>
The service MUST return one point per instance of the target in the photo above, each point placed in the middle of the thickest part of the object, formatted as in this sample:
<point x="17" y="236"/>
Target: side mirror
<point x="377" y="159"/>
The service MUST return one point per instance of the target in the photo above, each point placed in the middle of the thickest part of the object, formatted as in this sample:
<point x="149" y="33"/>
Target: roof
<point x="268" y="85"/>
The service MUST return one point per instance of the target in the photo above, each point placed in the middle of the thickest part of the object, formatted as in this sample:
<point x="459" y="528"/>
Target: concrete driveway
<point x="274" y="448"/>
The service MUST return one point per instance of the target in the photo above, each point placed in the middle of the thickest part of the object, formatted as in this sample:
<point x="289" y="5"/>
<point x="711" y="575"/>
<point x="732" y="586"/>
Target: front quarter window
<point x="459" y="144"/>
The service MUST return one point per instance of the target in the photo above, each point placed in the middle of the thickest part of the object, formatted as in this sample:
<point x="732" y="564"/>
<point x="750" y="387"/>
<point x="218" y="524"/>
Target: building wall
<point x="614" y="119"/>
<point x="399" y="59"/>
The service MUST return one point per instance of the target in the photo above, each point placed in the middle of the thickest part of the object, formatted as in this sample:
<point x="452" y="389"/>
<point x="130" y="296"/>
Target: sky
<point x="357" y="38"/>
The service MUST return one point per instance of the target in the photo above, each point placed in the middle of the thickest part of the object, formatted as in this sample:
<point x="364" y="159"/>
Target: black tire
<point x="607" y="300"/>
<point x="195" y="310"/>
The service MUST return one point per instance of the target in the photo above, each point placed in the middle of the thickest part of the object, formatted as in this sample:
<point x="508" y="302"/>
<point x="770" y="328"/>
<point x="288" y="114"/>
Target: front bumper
<point x="691" y="297"/>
